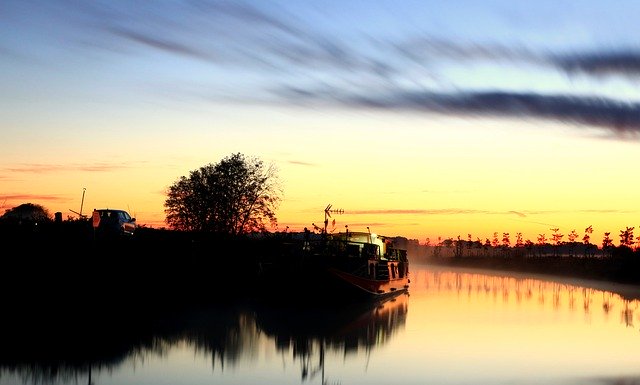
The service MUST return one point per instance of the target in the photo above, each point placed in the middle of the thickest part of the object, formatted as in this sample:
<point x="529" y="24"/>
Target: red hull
<point x="373" y="287"/>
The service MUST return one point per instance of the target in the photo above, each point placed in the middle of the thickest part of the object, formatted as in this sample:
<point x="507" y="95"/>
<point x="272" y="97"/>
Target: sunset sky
<point x="423" y="119"/>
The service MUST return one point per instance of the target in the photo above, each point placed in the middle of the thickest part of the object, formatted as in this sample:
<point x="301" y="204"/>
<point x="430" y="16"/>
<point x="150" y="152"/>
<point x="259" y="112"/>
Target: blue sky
<point x="571" y="61"/>
<point x="177" y="84"/>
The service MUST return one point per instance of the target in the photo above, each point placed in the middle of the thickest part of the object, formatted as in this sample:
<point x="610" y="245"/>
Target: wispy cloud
<point x="31" y="198"/>
<point x="291" y="61"/>
<point x="48" y="168"/>
<point x="457" y="211"/>
<point x="300" y="163"/>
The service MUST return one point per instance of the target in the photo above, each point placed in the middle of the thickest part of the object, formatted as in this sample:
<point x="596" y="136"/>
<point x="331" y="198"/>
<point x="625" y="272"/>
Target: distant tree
<point x="235" y="196"/>
<point x="557" y="238"/>
<point x="607" y="243"/>
<point x="626" y="237"/>
<point x="519" y="240"/>
<point x="438" y="248"/>
<point x="573" y="235"/>
<point x="494" y="241"/>
<point x="458" y="243"/>
<point x="506" y="240"/>
<point x="27" y="212"/>
<point x="586" y="240"/>
<point x="528" y="245"/>
<point x="542" y="241"/>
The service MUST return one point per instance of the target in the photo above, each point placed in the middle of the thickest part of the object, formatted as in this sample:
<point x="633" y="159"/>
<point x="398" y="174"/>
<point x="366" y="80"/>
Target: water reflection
<point x="76" y="350"/>
<point x="558" y="296"/>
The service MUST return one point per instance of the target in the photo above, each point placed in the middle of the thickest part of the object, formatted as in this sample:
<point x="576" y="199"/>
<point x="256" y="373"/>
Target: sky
<point x="423" y="119"/>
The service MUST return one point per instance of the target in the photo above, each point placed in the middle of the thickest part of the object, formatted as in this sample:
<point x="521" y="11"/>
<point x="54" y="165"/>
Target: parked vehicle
<point x="113" y="223"/>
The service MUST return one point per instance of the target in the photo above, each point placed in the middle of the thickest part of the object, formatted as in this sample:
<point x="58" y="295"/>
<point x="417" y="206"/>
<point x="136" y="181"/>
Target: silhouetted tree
<point x="236" y="196"/>
<point x="519" y="241"/>
<point x="494" y="241"/>
<point x="573" y="235"/>
<point x="557" y="237"/>
<point x="542" y="241"/>
<point x="506" y="241"/>
<point x="27" y="212"/>
<point x="626" y="237"/>
<point x="528" y="245"/>
<point x="437" y="248"/>
<point x="587" y="237"/>
<point x="607" y="244"/>
<point x="458" y="243"/>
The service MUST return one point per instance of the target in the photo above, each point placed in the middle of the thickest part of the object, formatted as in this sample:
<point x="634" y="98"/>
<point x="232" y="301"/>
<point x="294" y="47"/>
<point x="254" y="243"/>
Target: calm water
<point x="455" y="327"/>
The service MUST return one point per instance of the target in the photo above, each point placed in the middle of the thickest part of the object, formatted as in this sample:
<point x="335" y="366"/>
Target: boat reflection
<point x="74" y="350"/>
<point x="307" y="334"/>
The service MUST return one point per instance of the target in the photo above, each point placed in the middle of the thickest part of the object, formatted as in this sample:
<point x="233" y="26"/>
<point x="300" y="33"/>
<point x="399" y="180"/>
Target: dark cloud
<point x="623" y="118"/>
<point x="624" y="63"/>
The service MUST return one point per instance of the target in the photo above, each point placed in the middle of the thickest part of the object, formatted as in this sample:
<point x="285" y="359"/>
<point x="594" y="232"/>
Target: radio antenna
<point x="327" y="214"/>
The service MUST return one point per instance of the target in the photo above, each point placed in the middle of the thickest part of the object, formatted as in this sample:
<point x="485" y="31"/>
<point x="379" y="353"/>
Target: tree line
<point x="554" y="245"/>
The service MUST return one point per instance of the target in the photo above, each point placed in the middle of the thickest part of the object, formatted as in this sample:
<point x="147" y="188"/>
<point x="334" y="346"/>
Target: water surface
<point x="455" y="326"/>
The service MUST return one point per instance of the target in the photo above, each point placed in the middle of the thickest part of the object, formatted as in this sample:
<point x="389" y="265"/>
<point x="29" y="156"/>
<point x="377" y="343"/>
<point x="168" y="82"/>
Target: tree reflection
<point x="76" y="351"/>
<point x="508" y="288"/>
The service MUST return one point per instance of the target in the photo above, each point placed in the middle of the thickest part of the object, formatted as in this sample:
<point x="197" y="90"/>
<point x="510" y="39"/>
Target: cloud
<point x="291" y="60"/>
<point x="602" y="63"/>
<point x="23" y="198"/>
<point x="301" y="163"/>
<point x="52" y="168"/>
<point x="452" y="211"/>
<point x="457" y="211"/>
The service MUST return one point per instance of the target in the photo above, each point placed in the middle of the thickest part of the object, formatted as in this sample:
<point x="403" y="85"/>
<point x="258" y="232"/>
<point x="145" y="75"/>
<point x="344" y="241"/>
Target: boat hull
<point x="371" y="287"/>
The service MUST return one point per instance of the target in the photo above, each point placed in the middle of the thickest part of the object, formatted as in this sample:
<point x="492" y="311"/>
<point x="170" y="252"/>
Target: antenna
<point x="81" y="205"/>
<point x="327" y="214"/>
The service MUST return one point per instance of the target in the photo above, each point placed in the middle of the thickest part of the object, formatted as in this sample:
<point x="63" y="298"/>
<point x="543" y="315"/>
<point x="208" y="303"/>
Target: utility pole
<point x="81" y="205"/>
<point x="82" y="202"/>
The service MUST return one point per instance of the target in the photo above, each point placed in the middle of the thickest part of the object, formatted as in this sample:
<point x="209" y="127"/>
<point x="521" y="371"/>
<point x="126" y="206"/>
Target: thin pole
<point x="82" y="203"/>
